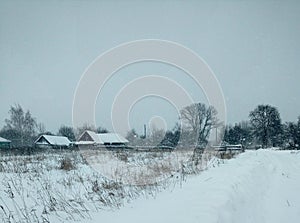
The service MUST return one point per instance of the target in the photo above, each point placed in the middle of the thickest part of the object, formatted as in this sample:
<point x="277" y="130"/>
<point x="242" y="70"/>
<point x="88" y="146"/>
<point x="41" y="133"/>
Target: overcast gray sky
<point x="252" y="47"/>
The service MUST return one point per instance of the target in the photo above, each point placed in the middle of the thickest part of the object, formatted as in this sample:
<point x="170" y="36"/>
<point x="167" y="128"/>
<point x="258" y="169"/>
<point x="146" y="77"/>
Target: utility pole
<point x="145" y="131"/>
<point x="216" y="135"/>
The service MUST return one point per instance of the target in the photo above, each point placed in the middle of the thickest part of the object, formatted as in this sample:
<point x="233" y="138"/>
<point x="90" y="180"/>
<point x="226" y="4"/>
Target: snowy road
<point x="258" y="186"/>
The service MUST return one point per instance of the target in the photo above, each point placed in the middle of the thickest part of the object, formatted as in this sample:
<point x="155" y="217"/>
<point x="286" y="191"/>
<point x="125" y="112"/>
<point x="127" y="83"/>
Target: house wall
<point x="42" y="140"/>
<point x="85" y="137"/>
<point x="4" y="145"/>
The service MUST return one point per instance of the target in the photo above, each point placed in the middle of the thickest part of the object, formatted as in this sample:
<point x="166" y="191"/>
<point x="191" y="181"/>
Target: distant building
<point x="98" y="139"/>
<point x="4" y="143"/>
<point x="50" y="141"/>
<point x="89" y="138"/>
<point x="112" y="139"/>
<point x="228" y="147"/>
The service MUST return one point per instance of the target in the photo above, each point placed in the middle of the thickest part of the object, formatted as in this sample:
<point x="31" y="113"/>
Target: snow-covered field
<point x="257" y="186"/>
<point x="62" y="186"/>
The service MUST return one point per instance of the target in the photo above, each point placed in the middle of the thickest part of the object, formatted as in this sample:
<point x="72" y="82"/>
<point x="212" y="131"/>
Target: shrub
<point x="67" y="164"/>
<point x="111" y="185"/>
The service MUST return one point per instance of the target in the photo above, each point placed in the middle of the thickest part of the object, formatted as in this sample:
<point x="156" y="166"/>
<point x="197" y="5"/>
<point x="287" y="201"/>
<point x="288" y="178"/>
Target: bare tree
<point x="132" y="136"/>
<point x="41" y="128"/>
<point x="21" y="125"/>
<point x="101" y="130"/>
<point x="156" y="136"/>
<point x="83" y="128"/>
<point x="90" y="127"/>
<point x="67" y="132"/>
<point x="199" y="119"/>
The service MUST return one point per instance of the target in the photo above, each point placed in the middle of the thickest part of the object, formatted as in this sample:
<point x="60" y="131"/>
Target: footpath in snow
<point x="258" y="186"/>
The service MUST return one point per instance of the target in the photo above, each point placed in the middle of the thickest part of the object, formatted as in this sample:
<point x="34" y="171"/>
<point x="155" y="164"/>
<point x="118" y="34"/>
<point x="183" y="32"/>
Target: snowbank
<point x="258" y="186"/>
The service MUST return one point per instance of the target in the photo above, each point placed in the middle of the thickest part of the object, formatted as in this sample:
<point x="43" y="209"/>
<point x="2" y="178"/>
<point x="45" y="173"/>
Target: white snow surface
<point x="4" y="140"/>
<point x="112" y="138"/>
<point x="55" y="140"/>
<point x="101" y="138"/>
<point x="258" y="187"/>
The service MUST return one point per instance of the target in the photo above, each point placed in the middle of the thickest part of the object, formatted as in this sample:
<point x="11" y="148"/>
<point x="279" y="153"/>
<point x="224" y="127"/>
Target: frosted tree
<point x="200" y="120"/>
<point x="21" y="126"/>
<point x="266" y="124"/>
<point x="67" y="132"/>
<point x="292" y="134"/>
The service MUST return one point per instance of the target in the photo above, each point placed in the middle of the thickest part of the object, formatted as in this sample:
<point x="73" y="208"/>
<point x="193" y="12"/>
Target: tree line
<point x="23" y="129"/>
<point x="264" y="128"/>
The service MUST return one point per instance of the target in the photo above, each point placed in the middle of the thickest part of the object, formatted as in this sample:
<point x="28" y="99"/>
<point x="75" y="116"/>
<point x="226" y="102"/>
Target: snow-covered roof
<point x="54" y="140"/>
<point x="4" y="140"/>
<point x="229" y="147"/>
<point x="112" y="138"/>
<point x="94" y="137"/>
<point x="102" y="138"/>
